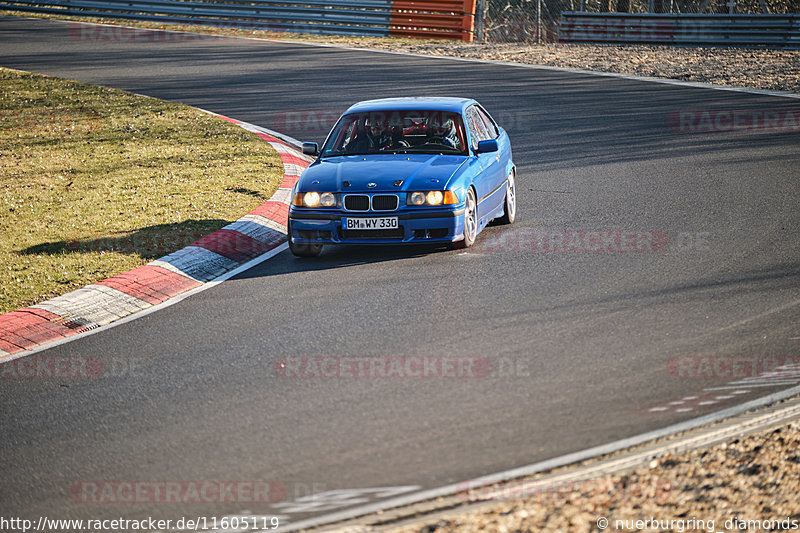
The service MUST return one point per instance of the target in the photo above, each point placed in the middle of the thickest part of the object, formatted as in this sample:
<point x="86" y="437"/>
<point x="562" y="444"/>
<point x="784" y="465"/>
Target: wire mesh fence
<point x="537" y="20"/>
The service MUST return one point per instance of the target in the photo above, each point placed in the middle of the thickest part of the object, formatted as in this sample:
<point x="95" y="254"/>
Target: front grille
<point x="396" y="233"/>
<point x="356" y="202"/>
<point x="384" y="202"/>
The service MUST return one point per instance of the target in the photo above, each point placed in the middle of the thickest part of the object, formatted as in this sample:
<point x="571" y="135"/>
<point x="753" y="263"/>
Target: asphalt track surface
<point x="588" y="335"/>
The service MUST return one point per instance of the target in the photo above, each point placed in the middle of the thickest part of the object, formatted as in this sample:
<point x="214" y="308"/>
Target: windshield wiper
<point x="343" y="155"/>
<point x="431" y="151"/>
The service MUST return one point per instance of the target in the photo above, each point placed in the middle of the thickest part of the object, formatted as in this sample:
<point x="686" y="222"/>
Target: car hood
<point x="417" y="172"/>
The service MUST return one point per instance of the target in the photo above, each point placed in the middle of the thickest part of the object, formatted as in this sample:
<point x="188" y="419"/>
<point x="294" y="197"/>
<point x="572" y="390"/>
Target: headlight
<point x="432" y="198"/>
<point x="311" y="199"/>
<point x="314" y="199"/>
<point x="327" y="199"/>
<point x="416" y="198"/>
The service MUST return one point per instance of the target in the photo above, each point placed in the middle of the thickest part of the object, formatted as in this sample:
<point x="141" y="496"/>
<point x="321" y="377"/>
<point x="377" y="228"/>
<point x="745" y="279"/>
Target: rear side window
<point x="491" y="128"/>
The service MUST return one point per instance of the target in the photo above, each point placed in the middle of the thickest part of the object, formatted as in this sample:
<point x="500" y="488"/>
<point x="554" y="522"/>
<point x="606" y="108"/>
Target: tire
<point x="510" y="207"/>
<point x="303" y="249"/>
<point x="470" y="221"/>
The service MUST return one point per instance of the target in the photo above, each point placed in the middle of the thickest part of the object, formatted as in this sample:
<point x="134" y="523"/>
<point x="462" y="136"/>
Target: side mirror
<point x="489" y="145"/>
<point x="312" y="148"/>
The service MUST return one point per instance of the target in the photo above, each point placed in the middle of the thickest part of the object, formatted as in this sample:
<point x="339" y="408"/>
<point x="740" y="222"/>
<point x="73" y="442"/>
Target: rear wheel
<point x="302" y="249"/>
<point x="510" y="207"/>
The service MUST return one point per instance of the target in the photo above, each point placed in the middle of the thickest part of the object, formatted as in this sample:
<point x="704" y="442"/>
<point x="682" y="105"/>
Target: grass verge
<point x="96" y="181"/>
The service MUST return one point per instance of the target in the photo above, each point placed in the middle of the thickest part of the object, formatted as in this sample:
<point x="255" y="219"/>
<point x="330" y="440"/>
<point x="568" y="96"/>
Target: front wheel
<point x="302" y="249"/>
<point x="510" y="206"/>
<point x="470" y="221"/>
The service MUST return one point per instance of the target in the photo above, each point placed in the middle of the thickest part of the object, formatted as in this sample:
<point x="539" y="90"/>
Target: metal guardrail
<point x="442" y="19"/>
<point x="718" y="30"/>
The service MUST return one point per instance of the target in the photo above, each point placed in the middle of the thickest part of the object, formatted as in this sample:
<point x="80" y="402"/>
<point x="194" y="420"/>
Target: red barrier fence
<point x="439" y="19"/>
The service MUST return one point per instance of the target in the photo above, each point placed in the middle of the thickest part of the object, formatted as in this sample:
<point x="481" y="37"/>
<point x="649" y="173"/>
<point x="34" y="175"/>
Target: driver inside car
<point x="439" y="132"/>
<point x="377" y="137"/>
<point x="373" y="137"/>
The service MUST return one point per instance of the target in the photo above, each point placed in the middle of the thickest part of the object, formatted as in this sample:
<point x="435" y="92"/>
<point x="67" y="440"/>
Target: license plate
<point x="370" y="223"/>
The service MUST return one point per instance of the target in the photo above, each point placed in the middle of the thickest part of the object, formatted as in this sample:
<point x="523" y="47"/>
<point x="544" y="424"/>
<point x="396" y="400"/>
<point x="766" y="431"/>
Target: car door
<point x="489" y="174"/>
<point x="503" y="143"/>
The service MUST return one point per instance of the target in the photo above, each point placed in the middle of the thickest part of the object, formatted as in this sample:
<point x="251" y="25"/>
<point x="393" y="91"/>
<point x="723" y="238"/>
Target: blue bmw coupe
<point x="404" y="171"/>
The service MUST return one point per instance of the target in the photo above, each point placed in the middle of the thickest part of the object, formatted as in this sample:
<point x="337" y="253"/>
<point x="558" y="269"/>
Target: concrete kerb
<point x="207" y="260"/>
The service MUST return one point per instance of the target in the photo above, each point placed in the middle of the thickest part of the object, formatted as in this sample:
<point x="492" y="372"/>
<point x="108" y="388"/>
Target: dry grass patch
<point x="96" y="181"/>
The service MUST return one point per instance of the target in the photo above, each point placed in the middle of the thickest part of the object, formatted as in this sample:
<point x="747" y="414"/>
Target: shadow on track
<point x="338" y="257"/>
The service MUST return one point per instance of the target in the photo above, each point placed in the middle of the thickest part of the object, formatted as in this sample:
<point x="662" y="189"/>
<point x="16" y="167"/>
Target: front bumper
<point x="415" y="227"/>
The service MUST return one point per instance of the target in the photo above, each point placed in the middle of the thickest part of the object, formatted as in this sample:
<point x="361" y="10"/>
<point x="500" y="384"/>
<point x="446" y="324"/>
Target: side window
<point x="474" y="134"/>
<point x="477" y="129"/>
<point x="491" y="128"/>
<point x="347" y="135"/>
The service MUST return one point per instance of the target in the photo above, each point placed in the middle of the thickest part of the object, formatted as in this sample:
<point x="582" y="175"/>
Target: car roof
<point x="451" y="104"/>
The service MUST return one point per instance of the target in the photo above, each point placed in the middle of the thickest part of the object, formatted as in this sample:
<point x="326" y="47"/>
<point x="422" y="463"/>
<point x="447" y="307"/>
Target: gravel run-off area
<point x="747" y="484"/>
<point x="777" y="70"/>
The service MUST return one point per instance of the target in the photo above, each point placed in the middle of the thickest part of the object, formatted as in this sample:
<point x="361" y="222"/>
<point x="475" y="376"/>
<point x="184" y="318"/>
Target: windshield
<point x="434" y="132"/>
